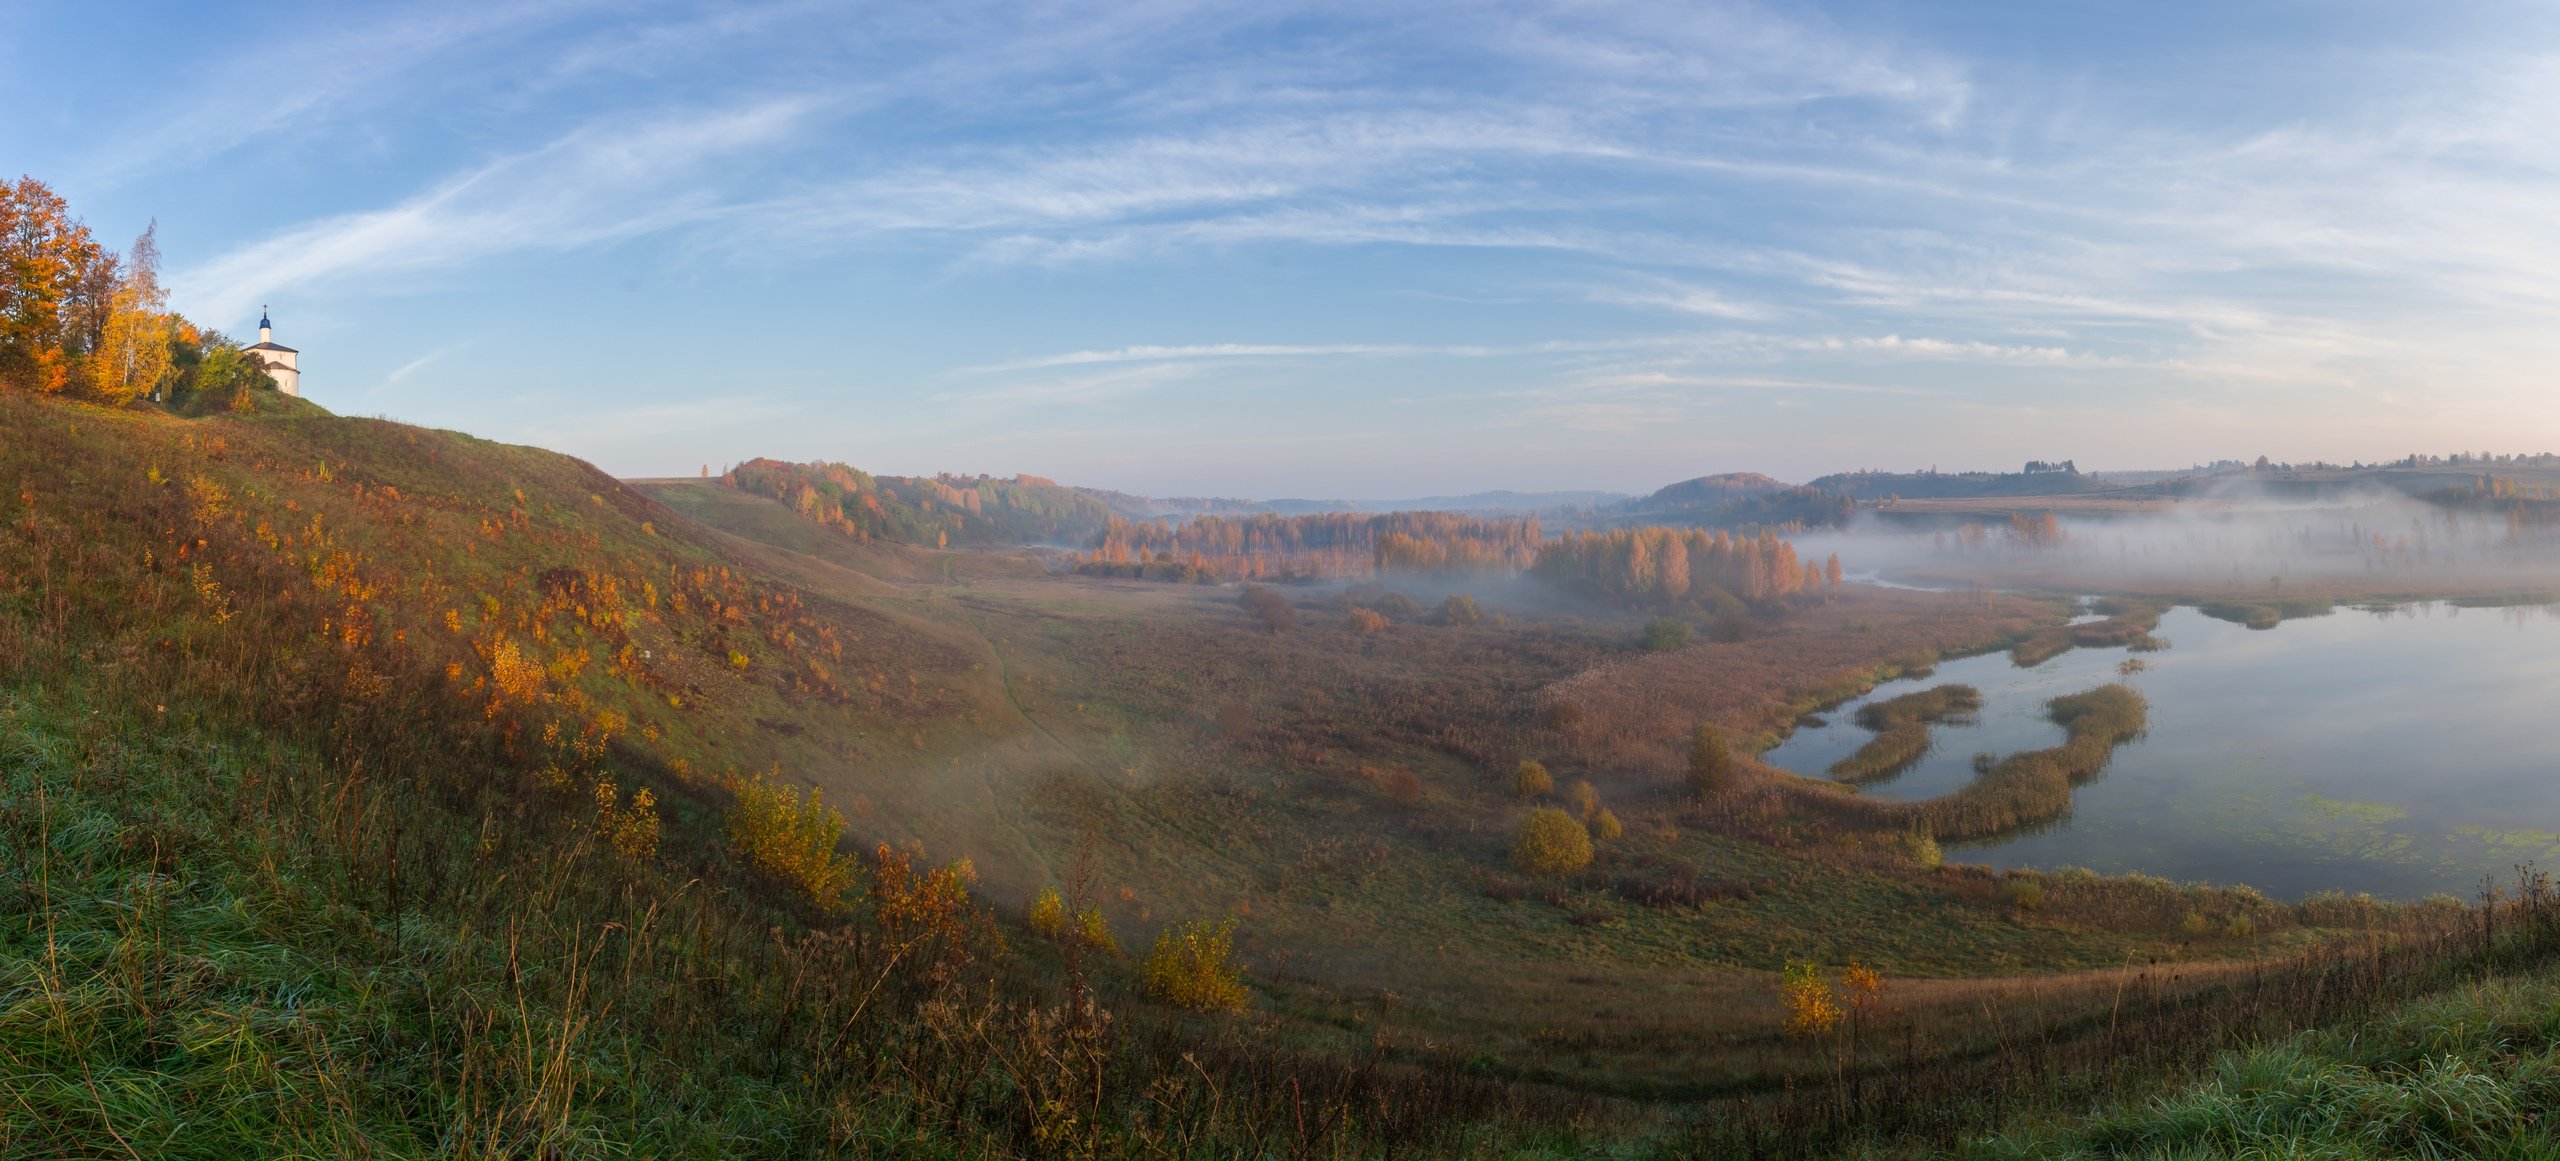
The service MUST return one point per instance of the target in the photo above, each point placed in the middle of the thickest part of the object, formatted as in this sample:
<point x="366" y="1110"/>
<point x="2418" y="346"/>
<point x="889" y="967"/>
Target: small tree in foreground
<point x="792" y="839"/>
<point x="1551" y="843"/>
<point x="1710" y="763"/>
<point x="1048" y="913"/>
<point x="1193" y="966"/>
<point x="1531" y="779"/>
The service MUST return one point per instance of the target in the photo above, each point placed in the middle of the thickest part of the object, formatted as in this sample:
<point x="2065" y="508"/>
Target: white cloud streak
<point x="595" y="186"/>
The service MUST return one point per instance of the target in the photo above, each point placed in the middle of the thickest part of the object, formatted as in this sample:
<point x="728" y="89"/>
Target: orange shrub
<point x="632" y="830"/>
<point x="1812" y="1009"/>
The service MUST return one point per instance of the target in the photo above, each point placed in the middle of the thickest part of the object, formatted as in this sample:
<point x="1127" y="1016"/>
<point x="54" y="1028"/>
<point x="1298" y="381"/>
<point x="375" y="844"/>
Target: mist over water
<point x="2398" y="752"/>
<point x="2235" y="542"/>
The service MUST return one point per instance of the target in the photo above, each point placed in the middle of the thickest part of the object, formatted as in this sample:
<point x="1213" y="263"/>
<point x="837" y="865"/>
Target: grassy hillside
<point x="374" y="791"/>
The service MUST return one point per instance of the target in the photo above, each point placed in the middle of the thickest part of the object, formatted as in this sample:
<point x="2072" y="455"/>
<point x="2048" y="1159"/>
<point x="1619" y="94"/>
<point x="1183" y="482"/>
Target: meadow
<point x="378" y="791"/>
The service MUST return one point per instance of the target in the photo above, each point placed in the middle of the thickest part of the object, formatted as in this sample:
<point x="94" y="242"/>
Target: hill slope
<point x="374" y="791"/>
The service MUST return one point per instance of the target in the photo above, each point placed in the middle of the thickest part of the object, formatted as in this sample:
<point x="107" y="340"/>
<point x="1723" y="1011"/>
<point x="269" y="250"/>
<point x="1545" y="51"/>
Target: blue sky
<point x="1361" y="250"/>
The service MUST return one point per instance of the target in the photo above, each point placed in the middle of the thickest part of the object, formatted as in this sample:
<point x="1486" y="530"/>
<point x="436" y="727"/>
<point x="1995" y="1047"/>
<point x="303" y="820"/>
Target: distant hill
<point x="1728" y="500"/>
<point x="949" y="510"/>
<point x="1712" y="491"/>
<point x="1953" y="485"/>
<point x="1497" y="501"/>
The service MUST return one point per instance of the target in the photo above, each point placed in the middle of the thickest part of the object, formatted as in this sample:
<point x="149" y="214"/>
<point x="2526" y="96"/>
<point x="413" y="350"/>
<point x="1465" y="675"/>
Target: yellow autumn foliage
<point x="792" y="838"/>
<point x="1193" y="966"/>
<point x="1551" y="843"/>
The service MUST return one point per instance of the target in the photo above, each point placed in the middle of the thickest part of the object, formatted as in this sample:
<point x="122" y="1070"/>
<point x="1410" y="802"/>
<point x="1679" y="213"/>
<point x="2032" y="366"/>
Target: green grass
<point x="2473" y="1072"/>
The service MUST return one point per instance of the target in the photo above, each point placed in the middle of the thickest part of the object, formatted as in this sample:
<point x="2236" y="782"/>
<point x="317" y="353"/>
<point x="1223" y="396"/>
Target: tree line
<point x="1662" y="567"/>
<point x="936" y="510"/>
<point x="1312" y="547"/>
<point x="78" y="318"/>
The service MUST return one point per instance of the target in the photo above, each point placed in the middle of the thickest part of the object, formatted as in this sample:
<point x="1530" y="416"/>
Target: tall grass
<point x="1901" y="726"/>
<point x="291" y="865"/>
<point x="2438" y="1078"/>
<point x="2035" y="786"/>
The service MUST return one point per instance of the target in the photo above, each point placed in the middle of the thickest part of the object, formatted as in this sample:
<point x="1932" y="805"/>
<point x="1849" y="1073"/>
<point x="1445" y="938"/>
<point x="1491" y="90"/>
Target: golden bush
<point x="1581" y="798"/>
<point x="1093" y="929"/>
<point x="1531" y="779"/>
<point x="1550" y="842"/>
<point x="1604" y="826"/>
<point x="1193" y="966"/>
<point x="1812" y="1008"/>
<point x="631" y="830"/>
<point x="1047" y="913"/>
<point x="792" y="838"/>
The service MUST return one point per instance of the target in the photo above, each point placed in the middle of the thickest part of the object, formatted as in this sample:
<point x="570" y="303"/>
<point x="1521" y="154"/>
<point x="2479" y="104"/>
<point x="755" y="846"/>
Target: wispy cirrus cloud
<point x="329" y="73"/>
<point x="597" y="185"/>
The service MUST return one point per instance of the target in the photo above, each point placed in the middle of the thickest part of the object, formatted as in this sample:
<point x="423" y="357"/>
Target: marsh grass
<point x="2035" y="786"/>
<point x="1901" y="727"/>
<point x="2266" y="613"/>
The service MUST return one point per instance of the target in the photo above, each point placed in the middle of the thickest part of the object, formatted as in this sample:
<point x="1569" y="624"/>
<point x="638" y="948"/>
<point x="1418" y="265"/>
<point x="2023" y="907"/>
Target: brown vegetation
<point x="1902" y="726"/>
<point x="1320" y="546"/>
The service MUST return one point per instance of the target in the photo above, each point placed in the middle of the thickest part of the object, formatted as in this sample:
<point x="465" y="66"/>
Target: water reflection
<point x="2399" y="750"/>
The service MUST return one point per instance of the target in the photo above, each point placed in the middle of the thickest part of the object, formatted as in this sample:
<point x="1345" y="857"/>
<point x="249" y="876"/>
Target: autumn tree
<point x="1710" y="763"/>
<point x="1531" y="779"/>
<point x="132" y="354"/>
<point x="1551" y="843"/>
<point x="1193" y="966"/>
<point x="44" y="253"/>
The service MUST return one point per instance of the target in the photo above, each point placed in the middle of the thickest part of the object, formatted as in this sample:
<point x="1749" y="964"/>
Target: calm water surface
<point x="2400" y="753"/>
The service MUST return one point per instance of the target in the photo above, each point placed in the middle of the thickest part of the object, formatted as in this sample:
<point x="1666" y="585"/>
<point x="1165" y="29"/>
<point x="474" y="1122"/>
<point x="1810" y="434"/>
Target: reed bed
<point x="1902" y="726"/>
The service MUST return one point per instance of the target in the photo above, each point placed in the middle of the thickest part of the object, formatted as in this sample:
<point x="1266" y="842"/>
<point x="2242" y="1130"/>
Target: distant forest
<point x="1314" y="547"/>
<point x="937" y="510"/>
<point x="1646" y="567"/>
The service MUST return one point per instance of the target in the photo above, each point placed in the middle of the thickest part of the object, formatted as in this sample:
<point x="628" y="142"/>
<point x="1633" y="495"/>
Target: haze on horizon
<point x="1347" y="251"/>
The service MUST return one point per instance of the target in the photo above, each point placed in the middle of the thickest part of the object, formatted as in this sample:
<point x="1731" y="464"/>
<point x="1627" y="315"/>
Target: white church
<point x="276" y="358"/>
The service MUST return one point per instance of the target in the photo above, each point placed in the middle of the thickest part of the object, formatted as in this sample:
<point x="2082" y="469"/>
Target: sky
<point x="1352" y="250"/>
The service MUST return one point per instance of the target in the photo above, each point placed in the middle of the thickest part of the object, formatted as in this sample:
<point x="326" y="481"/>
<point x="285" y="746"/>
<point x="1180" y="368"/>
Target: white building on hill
<point x="278" y="360"/>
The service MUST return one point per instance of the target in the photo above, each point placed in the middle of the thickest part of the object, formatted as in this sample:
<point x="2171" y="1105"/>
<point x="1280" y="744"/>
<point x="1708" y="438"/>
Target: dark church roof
<point x="272" y="347"/>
